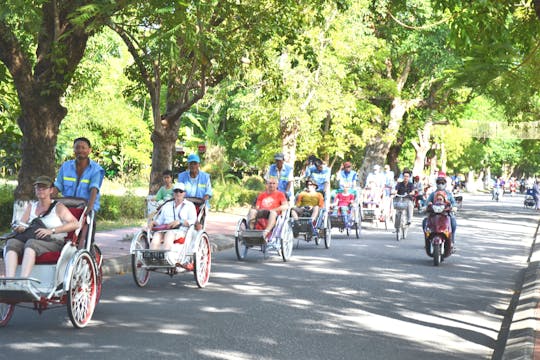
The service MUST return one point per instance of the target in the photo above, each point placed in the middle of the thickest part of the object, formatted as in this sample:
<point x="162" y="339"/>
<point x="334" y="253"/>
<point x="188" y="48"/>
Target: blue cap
<point x="193" y="158"/>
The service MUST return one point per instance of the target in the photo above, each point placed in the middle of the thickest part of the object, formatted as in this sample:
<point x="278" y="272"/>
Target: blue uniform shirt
<point x="350" y="178"/>
<point x="68" y="184"/>
<point x="198" y="186"/>
<point x="283" y="177"/>
<point x="320" y="177"/>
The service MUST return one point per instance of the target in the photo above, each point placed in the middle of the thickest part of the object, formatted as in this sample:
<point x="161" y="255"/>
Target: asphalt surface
<point x="522" y="326"/>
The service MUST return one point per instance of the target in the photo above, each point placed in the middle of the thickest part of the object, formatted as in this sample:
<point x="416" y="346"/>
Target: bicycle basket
<point x="400" y="204"/>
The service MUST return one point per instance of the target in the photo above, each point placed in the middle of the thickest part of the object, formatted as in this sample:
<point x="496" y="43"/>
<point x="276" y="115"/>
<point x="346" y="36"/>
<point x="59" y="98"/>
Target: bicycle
<point x="401" y="203"/>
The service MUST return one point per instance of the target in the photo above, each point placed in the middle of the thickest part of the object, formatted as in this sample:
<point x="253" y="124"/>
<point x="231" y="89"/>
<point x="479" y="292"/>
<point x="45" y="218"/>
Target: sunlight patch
<point x="212" y="309"/>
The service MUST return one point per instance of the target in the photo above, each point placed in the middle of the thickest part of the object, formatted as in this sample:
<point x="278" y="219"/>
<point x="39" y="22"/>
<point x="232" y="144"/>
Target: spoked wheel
<point x="287" y="243"/>
<point x="404" y="231"/>
<point x="139" y="272"/>
<point x="96" y="252"/>
<point x="203" y="261"/>
<point x="239" y="243"/>
<point x="81" y="296"/>
<point x="358" y="225"/>
<point x="327" y="234"/>
<point x="397" y="225"/>
<point x="436" y="254"/>
<point x="6" y="311"/>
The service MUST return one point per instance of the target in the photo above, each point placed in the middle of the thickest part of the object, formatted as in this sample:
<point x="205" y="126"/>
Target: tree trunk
<point x="164" y="140"/>
<point x="377" y="148"/>
<point x="289" y="134"/>
<point x="39" y="123"/>
<point x="422" y="147"/>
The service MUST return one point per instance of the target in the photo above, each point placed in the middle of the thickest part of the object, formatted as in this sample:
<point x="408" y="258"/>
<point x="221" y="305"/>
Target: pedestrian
<point x="81" y="177"/>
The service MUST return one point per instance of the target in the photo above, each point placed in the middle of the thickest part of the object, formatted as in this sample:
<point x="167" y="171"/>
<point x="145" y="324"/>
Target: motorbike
<point x="438" y="233"/>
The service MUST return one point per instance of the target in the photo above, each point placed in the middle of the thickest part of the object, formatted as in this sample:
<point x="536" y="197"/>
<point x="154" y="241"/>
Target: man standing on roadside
<point x="81" y="177"/>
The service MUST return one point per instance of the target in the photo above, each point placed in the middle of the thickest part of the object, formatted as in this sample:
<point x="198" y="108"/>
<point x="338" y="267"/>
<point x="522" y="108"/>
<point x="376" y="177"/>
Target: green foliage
<point x="120" y="138"/>
<point x="116" y="207"/>
<point x="6" y="205"/>
<point x="253" y="183"/>
<point x="232" y="195"/>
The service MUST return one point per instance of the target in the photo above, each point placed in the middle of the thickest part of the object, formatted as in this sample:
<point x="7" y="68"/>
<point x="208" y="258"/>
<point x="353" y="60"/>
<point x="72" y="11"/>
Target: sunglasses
<point x="440" y="183"/>
<point x="178" y="191"/>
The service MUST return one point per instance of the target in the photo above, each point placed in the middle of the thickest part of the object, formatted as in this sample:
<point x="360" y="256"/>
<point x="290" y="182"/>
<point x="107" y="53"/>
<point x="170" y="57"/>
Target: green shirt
<point x="164" y="194"/>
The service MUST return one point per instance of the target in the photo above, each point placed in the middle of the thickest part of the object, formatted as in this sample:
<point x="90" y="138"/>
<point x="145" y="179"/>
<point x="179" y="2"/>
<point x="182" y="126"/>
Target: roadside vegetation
<point x="419" y="84"/>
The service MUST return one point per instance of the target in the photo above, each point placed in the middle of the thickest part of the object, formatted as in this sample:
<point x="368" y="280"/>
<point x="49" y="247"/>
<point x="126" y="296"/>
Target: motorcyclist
<point x="441" y="186"/>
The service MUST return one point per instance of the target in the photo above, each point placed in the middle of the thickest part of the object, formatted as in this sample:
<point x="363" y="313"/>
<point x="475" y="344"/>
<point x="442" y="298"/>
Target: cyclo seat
<point x="76" y="207"/>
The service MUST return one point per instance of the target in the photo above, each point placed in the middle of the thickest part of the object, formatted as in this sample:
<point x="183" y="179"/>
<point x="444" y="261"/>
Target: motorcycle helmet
<point x="441" y="183"/>
<point x="438" y="195"/>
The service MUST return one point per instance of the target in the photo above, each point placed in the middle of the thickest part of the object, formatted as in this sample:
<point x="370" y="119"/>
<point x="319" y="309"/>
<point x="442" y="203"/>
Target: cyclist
<point x="406" y="187"/>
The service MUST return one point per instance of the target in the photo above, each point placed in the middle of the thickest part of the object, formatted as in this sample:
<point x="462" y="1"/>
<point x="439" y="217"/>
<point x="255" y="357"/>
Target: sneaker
<point x="408" y="223"/>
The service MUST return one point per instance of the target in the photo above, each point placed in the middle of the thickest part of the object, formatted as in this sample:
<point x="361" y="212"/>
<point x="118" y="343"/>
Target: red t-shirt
<point x="266" y="201"/>
<point x="344" y="200"/>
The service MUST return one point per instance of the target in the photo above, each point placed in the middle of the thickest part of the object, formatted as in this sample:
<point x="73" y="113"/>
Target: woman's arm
<point x="69" y="222"/>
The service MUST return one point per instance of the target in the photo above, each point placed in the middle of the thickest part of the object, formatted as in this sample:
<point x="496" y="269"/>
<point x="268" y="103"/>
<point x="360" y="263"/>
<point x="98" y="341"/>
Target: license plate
<point x="153" y="255"/>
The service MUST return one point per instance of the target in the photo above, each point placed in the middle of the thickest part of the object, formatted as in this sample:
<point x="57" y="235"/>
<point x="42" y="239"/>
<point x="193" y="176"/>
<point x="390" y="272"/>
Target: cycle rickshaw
<point x="70" y="277"/>
<point x="280" y="239"/>
<point x="375" y="208"/>
<point x="304" y="228"/>
<point x="191" y="251"/>
<point x="349" y="223"/>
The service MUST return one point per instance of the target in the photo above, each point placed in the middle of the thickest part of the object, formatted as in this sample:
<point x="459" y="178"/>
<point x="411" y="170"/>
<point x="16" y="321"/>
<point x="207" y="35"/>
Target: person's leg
<point x="157" y="237"/>
<point x="168" y="239"/>
<point x="252" y="218"/>
<point x="272" y="217"/>
<point x="410" y="209"/>
<point x="314" y="214"/>
<point x="10" y="262"/>
<point x="13" y="249"/>
<point x="453" y="224"/>
<point x="28" y="261"/>
<point x="345" y="214"/>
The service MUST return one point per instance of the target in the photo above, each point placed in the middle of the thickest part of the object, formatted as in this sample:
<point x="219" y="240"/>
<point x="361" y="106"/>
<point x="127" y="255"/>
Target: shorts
<point x="39" y="246"/>
<point x="303" y="211"/>
<point x="263" y="214"/>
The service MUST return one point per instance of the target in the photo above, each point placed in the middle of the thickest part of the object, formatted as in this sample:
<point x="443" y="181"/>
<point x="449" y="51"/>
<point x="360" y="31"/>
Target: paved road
<point x="372" y="298"/>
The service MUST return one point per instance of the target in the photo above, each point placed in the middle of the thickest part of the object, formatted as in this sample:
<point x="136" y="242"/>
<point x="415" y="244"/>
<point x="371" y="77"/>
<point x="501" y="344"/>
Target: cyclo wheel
<point x="202" y="261"/>
<point x="139" y="272"/>
<point x="327" y="234"/>
<point x="96" y="252"/>
<point x="239" y="243"/>
<point x="6" y="311"/>
<point x="287" y="243"/>
<point x="81" y="296"/>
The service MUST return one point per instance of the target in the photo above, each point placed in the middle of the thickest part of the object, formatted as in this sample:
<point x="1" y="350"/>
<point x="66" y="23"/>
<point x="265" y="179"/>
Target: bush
<point x="6" y="206"/>
<point x="253" y="183"/>
<point x="116" y="207"/>
<point x="231" y="195"/>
